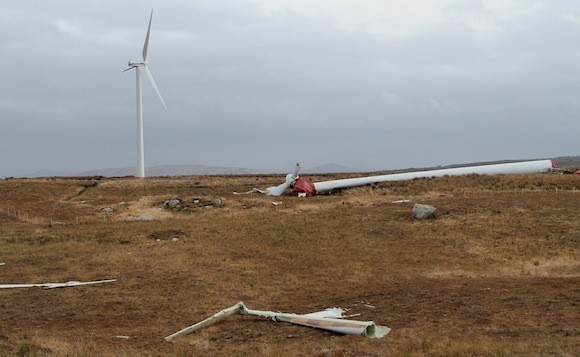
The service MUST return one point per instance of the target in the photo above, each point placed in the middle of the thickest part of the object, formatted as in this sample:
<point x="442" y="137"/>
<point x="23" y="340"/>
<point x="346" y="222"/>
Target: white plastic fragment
<point x="55" y="285"/>
<point x="333" y="312"/>
<point x="122" y="337"/>
<point x="254" y="190"/>
<point x="400" y="201"/>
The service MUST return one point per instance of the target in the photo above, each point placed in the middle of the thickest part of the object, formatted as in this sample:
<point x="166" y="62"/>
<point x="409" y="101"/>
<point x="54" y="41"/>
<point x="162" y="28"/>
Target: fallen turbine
<point x="303" y="187"/>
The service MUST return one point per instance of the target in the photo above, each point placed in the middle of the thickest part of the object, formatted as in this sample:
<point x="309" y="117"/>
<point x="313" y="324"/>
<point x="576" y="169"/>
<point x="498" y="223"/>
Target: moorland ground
<point x="495" y="273"/>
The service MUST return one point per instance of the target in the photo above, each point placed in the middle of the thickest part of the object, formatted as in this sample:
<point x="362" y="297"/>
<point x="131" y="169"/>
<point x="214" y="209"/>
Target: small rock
<point x="173" y="203"/>
<point x="143" y="218"/>
<point x="208" y="207"/>
<point x="196" y="201"/>
<point x="174" y="239"/>
<point x="423" y="211"/>
<point x="107" y="210"/>
<point x="217" y="202"/>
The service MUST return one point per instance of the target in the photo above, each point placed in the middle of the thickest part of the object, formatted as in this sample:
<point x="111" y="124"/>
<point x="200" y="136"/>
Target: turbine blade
<point x="146" y="45"/>
<point x="296" y="170"/>
<point x="150" y="76"/>
<point x="129" y="68"/>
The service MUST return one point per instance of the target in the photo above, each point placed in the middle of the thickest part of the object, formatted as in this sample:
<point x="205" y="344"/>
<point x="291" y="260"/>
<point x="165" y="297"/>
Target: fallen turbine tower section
<point x="329" y="319"/>
<point x="302" y="187"/>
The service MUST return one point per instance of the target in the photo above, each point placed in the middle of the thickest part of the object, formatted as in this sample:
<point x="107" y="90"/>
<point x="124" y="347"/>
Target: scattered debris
<point x="423" y="211"/>
<point x="107" y="210"/>
<point x="122" y="337"/>
<point x="276" y="203"/>
<point x="143" y="218"/>
<point x="401" y="201"/>
<point x="55" y="285"/>
<point x="174" y="239"/>
<point x="329" y="319"/>
<point x="254" y="190"/>
<point x="2" y="263"/>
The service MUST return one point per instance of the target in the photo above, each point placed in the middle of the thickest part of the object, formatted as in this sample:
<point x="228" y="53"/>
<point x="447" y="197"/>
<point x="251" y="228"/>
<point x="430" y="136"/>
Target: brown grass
<point x="496" y="273"/>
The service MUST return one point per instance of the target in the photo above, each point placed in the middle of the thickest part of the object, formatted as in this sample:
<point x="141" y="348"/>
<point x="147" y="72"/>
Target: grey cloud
<point x="247" y="88"/>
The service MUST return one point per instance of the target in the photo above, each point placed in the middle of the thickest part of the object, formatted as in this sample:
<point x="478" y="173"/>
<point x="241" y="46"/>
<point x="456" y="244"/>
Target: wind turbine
<point x="138" y="65"/>
<point x="301" y="186"/>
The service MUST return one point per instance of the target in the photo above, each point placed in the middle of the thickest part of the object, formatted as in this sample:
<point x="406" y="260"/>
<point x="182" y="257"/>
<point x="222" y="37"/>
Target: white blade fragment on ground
<point x="332" y="312"/>
<point x="329" y="319"/>
<point x="218" y="316"/>
<point x="55" y="285"/>
<point x="254" y="190"/>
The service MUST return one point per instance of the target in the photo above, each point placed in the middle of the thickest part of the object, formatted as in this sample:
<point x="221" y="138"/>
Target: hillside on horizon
<point x="187" y="170"/>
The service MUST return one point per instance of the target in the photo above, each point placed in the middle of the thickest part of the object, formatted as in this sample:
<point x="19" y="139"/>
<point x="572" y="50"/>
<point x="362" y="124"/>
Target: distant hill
<point x="329" y="169"/>
<point x="185" y="170"/>
<point x="49" y="173"/>
<point x="567" y="161"/>
<point x="171" y="170"/>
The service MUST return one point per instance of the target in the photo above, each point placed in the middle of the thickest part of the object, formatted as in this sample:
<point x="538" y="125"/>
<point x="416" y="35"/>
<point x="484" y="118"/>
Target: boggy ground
<point x="496" y="273"/>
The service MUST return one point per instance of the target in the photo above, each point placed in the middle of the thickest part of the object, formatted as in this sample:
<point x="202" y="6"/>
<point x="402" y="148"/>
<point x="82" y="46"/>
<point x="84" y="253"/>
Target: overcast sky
<point x="369" y="84"/>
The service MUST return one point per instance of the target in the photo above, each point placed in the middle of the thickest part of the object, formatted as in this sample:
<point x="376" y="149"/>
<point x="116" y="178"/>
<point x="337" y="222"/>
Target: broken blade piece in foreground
<point x="218" y="316"/>
<point x="55" y="285"/>
<point x="329" y="319"/>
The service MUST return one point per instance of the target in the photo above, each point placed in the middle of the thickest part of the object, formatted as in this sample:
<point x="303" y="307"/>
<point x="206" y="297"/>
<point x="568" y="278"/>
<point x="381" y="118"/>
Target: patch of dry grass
<point x="496" y="273"/>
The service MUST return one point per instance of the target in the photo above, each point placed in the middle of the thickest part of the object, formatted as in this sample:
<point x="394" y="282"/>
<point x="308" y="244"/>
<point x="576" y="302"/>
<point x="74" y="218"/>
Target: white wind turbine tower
<point x="138" y="65"/>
